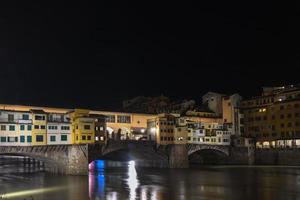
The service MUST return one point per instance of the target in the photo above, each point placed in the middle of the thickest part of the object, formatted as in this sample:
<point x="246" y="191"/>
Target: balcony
<point x="15" y="121"/>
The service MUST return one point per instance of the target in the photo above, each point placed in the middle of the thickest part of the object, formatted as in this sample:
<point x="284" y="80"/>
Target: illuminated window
<point x="110" y="119"/>
<point x="124" y="119"/>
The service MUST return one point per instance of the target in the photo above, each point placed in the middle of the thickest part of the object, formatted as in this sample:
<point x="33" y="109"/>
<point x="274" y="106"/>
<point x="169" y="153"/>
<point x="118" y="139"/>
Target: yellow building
<point x="39" y="129"/>
<point x="82" y="127"/>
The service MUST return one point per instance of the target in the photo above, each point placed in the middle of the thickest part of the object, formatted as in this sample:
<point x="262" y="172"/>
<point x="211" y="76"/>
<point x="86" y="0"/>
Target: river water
<point x="122" y="180"/>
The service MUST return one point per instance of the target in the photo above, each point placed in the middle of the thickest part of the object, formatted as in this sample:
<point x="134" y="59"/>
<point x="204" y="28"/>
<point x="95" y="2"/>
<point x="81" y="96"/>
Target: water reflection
<point x="116" y="180"/>
<point x="108" y="180"/>
<point x="132" y="180"/>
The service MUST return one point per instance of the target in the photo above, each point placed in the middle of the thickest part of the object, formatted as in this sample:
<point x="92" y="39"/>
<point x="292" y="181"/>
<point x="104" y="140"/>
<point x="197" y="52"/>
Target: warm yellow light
<point x="30" y="192"/>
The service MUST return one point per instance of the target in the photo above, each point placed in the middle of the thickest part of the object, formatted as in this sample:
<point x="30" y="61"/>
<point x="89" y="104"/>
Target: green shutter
<point x="22" y="138"/>
<point x="3" y="139"/>
<point x="29" y="139"/>
<point x="64" y="138"/>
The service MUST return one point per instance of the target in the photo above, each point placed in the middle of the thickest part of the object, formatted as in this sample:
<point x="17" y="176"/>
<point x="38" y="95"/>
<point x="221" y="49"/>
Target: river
<point x="122" y="180"/>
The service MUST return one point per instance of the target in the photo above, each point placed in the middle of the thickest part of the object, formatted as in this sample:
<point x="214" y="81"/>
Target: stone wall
<point x="277" y="157"/>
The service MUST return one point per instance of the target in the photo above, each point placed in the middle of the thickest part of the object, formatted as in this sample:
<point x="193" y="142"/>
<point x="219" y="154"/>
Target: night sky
<point x="94" y="55"/>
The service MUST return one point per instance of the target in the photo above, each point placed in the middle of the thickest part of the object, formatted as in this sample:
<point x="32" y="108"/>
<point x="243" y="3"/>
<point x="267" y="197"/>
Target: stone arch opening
<point x="208" y="157"/>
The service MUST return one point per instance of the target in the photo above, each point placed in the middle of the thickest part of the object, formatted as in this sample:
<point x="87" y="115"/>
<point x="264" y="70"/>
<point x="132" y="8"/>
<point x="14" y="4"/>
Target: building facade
<point x="273" y="119"/>
<point x="58" y="129"/>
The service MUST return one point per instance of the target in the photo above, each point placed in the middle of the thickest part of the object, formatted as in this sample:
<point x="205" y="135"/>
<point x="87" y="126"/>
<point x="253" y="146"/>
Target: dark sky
<point x="94" y="54"/>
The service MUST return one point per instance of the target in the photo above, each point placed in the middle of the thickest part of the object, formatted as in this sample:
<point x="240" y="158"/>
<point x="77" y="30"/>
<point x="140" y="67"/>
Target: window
<point x="12" y="139"/>
<point x="83" y="137"/>
<point x="29" y="139"/>
<point x="63" y="137"/>
<point x="29" y="127"/>
<point x="39" y="138"/>
<point x="89" y="137"/>
<point x="289" y="124"/>
<point x="297" y="115"/>
<point x="3" y="128"/>
<point x="3" y="139"/>
<point x="161" y="138"/>
<point x="289" y="115"/>
<point x="296" y="105"/>
<point x="110" y="118"/>
<point x="36" y="127"/>
<point x="25" y="117"/>
<point x="22" y="127"/>
<point x="281" y="116"/>
<point x="11" y="127"/>
<point x="39" y="117"/>
<point x="52" y="138"/>
<point x="282" y="125"/>
<point x="11" y="117"/>
<point x="65" y="128"/>
<point x="22" y="138"/>
<point x="124" y="119"/>
<point x="87" y="127"/>
<point x="43" y="127"/>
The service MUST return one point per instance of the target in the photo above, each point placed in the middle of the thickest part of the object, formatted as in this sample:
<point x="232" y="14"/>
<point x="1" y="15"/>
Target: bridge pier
<point x="178" y="156"/>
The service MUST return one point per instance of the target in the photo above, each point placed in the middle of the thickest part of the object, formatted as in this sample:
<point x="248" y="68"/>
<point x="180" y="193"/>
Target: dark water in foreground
<point x="118" y="181"/>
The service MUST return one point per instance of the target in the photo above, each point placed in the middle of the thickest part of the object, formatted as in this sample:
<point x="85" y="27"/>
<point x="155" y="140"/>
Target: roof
<point x="37" y="111"/>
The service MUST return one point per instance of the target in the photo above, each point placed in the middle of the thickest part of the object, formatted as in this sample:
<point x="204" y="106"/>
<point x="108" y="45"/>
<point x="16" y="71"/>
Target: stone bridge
<point x="75" y="159"/>
<point x="64" y="159"/>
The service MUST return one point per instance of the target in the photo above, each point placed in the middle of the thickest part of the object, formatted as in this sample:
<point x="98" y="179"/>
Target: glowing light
<point x="142" y="130"/>
<point x="132" y="180"/>
<point x="153" y="130"/>
<point x="30" y="192"/>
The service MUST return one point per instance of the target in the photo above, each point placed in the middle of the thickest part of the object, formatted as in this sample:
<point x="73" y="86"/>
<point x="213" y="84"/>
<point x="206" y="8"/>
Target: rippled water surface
<point x="122" y="180"/>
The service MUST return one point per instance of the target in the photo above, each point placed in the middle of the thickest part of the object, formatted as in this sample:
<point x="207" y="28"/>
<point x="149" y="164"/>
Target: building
<point x="168" y="129"/>
<point x="82" y="127"/>
<point x="213" y="101"/>
<point x="273" y="119"/>
<point x="58" y="129"/>
<point x="209" y="133"/>
<point x="39" y="123"/>
<point x="128" y="125"/>
<point x="100" y="128"/>
<point x="15" y="128"/>
<point x="232" y="115"/>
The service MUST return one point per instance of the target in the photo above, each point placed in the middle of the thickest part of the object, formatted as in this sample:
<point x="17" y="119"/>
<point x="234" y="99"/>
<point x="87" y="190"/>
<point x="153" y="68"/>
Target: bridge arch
<point x="193" y="148"/>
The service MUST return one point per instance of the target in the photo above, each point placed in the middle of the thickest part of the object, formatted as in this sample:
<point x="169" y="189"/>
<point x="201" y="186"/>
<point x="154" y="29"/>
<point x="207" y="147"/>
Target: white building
<point x="15" y="128"/>
<point x="58" y="129"/>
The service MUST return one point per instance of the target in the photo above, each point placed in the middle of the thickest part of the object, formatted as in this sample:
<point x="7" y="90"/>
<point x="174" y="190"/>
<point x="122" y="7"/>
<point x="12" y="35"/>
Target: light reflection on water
<point x="118" y="181"/>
